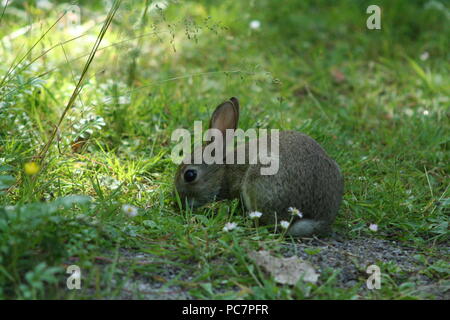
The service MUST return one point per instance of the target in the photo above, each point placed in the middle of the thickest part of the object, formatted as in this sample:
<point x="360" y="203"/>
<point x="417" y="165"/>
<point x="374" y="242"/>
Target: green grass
<point x="378" y="109"/>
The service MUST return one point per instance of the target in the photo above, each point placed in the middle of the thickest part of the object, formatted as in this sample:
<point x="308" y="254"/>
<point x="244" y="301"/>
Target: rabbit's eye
<point x="190" y="175"/>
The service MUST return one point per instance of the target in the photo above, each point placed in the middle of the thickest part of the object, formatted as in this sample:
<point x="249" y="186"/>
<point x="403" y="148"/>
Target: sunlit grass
<point x="370" y="98"/>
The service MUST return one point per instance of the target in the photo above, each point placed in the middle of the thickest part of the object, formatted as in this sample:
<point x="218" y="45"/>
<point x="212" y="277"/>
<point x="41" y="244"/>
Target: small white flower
<point x="124" y="100"/>
<point x="408" y="112"/>
<point x="255" y="24"/>
<point x="255" y="215"/>
<point x="424" y="56"/>
<point x="284" y="224"/>
<point x="229" y="226"/>
<point x="426" y="112"/>
<point x="44" y="4"/>
<point x="130" y="210"/>
<point x="161" y="5"/>
<point x="373" y="227"/>
<point x="295" y="212"/>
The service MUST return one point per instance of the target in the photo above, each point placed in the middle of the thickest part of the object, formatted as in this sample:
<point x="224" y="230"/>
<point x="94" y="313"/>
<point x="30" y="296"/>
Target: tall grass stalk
<point x="79" y="86"/>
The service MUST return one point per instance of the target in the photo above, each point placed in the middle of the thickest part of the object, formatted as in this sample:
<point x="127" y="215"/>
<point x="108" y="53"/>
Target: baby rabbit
<point x="307" y="179"/>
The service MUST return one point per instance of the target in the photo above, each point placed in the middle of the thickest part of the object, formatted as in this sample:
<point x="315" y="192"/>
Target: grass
<point x="373" y="98"/>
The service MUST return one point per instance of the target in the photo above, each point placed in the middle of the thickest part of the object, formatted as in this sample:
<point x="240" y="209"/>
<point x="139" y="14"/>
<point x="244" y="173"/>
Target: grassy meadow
<point x="86" y="176"/>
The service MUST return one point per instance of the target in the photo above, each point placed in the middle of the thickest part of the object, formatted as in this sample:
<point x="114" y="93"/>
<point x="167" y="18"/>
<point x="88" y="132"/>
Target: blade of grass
<point x="77" y="90"/>
<point x="4" y="9"/>
<point x="12" y="68"/>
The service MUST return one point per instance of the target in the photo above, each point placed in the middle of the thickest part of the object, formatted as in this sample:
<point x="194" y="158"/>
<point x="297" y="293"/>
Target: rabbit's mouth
<point x="185" y="201"/>
<point x="193" y="202"/>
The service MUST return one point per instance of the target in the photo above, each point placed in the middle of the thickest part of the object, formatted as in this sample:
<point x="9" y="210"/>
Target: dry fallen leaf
<point x="78" y="144"/>
<point x="285" y="270"/>
<point x="338" y="75"/>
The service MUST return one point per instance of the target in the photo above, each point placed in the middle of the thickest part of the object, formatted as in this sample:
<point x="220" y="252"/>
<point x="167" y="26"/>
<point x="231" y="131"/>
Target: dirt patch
<point x="156" y="286"/>
<point x="352" y="257"/>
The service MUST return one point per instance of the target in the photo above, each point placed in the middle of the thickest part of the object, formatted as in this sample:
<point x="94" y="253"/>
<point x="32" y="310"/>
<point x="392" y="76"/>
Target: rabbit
<point x="307" y="179"/>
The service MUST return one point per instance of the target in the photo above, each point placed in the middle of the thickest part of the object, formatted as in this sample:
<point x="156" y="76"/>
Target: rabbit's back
<point x="307" y="179"/>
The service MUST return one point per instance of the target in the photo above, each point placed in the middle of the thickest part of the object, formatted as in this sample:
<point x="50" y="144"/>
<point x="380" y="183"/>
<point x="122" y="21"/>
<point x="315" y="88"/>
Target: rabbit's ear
<point x="226" y="116"/>
<point x="235" y="102"/>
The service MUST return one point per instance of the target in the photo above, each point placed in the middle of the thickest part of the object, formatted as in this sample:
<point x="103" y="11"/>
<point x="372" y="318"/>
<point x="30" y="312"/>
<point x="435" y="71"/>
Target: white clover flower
<point x="229" y="226"/>
<point x="424" y="56"/>
<point x="284" y="224"/>
<point x="255" y="24"/>
<point x="130" y="210"/>
<point x="426" y="112"/>
<point x="295" y="212"/>
<point x="373" y="227"/>
<point x="255" y="215"/>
